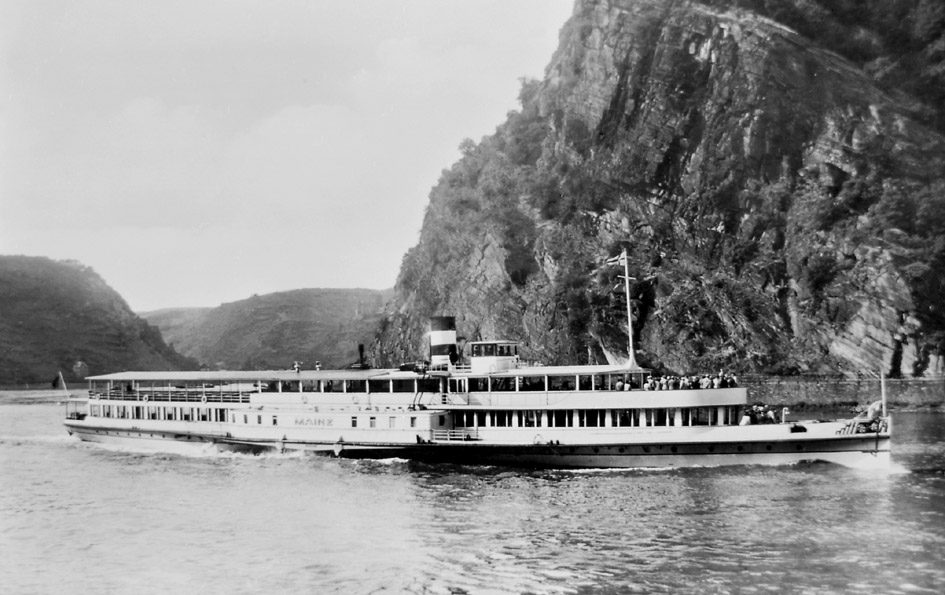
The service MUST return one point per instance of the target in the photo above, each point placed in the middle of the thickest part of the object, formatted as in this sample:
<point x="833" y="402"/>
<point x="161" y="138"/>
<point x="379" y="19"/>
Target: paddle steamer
<point x="488" y="408"/>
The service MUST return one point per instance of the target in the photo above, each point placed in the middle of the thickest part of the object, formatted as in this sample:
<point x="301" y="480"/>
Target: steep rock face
<point x="781" y="211"/>
<point x="61" y="316"/>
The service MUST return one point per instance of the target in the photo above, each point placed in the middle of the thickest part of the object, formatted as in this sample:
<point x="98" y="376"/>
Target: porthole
<point x="740" y="448"/>
<point x="674" y="449"/>
<point x="768" y="447"/>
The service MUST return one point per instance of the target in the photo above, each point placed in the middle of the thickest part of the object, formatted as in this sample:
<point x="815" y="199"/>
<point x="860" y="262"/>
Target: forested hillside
<point x="775" y="171"/>
<point x="61" y="316"/>
<point x="274" y="330"/>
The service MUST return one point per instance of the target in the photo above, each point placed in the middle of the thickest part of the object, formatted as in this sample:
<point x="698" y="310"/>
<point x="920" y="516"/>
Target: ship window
<point x="592" y="418"/>
<point x="391" y="422"/>
<point x="560" y="418"/>
<point x="481" y="419"/>
<point x="379" y="386"/>
<point x="532" y="383"/>
<point x="373" y="422"/>
<point x="428" y="385"/>
<point x="478" y="385"/>
<point x="622" y="418"/>
<point x="259" y="419"/>
<point x="659" y="417"/>
<point x="354" y="421"/>
<point x="245" y="419"/>
<point x="404" y="385"/>
<point x="585" y="382"/>
<point x="274" y="421"/>
<point x="503" y="384"/>
<point x="442" y="420"/>
<point x="355" y="386"/>
<point x="413" y="422"/>
<point x="532" y="419"/>
<point x="701" y="416"/>
<point x="502" y="419"/>
<point x="561" y="383"/>
<point x="488" y="350"/>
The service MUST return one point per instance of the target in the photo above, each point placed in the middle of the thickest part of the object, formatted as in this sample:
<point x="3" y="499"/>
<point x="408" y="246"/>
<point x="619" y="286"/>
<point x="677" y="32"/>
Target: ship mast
<point x="622" y="259"/>
<point x="632" y="361"/>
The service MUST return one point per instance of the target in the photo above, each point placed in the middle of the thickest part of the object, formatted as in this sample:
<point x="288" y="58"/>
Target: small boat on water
<point x="487" y="409"/>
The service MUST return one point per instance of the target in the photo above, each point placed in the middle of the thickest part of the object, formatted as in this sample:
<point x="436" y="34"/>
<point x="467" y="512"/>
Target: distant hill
<point x="60" y="315"/>
<point x="274" y="330"/>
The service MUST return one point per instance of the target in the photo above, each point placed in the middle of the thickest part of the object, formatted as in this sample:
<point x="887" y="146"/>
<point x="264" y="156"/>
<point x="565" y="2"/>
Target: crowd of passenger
<point x="760" y="414"/>
<point x="721" y="380"/>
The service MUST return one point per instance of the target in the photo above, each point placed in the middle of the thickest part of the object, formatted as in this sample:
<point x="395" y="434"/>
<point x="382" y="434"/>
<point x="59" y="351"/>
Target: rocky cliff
<point x="61" y="316"/>
<point x="778" y="186"/>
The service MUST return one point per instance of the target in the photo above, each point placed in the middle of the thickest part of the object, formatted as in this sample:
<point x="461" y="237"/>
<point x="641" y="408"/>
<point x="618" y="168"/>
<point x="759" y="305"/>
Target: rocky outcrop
<point x="782" y="209"/>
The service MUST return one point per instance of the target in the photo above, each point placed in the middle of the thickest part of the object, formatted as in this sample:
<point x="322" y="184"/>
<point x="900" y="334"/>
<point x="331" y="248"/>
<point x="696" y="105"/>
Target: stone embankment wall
<point x="825" y="392"/>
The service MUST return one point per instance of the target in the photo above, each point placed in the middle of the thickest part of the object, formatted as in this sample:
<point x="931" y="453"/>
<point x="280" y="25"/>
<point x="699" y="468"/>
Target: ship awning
<point x="570" y="371"/>
<point x="223" y="376"/>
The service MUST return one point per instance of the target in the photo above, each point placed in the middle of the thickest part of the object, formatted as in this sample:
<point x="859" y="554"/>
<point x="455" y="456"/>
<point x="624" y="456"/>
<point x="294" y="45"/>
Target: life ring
<point x="145" y="398"/>
<point x="203" y="399"/>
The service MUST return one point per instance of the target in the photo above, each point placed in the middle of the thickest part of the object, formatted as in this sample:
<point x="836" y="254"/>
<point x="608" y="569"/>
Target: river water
<point x="82" y="518"/>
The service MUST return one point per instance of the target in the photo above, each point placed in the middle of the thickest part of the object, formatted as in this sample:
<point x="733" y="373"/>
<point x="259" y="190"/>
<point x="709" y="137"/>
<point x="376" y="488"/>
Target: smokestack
<point x="442" y="341"/>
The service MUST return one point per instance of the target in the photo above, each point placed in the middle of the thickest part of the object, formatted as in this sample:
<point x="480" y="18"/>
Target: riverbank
<point x="813" y="393"/>
<point x="26" y="397"/>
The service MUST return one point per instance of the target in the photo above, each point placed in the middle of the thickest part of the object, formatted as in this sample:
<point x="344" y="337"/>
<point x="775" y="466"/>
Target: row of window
<point x="569" y="382"/>
<point x="220" y="415"/>
<point x="159" y="413"/>
<point x="598" y="418"/>
<point x="563" y="418"/>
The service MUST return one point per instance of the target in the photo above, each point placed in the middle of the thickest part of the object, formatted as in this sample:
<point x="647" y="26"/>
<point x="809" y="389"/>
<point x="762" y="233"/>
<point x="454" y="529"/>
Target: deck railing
<point x="456" y="435"/>
<point x="175" y="396"/>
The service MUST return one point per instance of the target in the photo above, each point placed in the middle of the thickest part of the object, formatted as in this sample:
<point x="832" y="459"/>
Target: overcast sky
<point x="196" y="152"/>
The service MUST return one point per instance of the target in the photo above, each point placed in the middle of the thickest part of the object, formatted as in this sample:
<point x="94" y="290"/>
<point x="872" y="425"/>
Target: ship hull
<point x="154" y="439"/>
<point x="864" y="450"/>
<point x="857" y="452"/>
